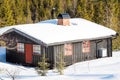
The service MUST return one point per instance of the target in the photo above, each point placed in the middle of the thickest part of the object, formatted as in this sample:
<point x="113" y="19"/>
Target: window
<point x="68" y="49"/>
<point x="20" y="47"/>
<point x="37" y="49"/>
<point x="86" y="46"/>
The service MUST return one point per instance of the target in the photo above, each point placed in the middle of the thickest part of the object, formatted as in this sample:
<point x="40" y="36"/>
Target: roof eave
<point x="25" y="35"/>
<point x="79" y="40"/>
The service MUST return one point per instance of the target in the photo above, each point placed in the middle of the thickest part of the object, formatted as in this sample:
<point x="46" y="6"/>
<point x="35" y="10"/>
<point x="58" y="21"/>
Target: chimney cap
<point x="63" y="16"/>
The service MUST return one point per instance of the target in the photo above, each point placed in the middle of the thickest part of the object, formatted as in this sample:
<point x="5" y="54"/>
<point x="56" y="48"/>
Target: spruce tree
<point x="111" y="10"/>
<point x="69" y="8"/>
<point x="59" y="6"/>
<point x="18" y="14"/>
<point x="99" y="12"/>
<point x="61" y="64"/>
<point x="1" y="13"/>
<point x="114" y="22"/>
<point x="89" y="10"/>
<point x="43" y="66"/>
<point x="7" y="13"/>
<point x="37" y="6"/>
<point x="79" y="9"/>
<point x="84" y="9"/>
<point x="28" y="17"/>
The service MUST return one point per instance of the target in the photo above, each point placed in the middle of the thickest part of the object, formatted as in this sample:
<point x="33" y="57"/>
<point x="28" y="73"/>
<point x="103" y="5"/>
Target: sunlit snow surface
<point x="100" y="69"/>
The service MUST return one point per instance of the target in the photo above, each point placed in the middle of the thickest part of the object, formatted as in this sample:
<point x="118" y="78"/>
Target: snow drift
<point x="99" y="69"/>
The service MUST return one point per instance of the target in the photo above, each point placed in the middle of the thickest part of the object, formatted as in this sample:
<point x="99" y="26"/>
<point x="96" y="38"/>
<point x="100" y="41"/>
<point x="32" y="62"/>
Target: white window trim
<point x="20" y="47"/>
<point x="68" y="49"/>
<point x="37" y="49"/>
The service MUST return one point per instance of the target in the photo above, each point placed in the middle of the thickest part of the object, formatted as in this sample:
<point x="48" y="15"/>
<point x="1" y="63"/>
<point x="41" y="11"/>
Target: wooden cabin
<point x="75" y="38"/>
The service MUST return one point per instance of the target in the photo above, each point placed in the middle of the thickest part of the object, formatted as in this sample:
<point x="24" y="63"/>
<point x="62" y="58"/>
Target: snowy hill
<point x="99" y="69"/>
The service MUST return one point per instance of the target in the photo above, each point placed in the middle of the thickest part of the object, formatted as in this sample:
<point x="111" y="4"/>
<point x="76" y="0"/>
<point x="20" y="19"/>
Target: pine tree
<point x="28" y="18"/>
<point x="37" y="7"/>
<point x="33" y="11"/>
<point x="27" y="11"/>
<point x="59" y="6"/>
<point x="84" y="9"/>
<point x="79" y="9"/>
<point x="111" y="11"/>
<point x="1" y="13"/>
<point x="18" y="14"/>
<point x="74" y="4"/>
<point x="43" y="66"/>
<point x="7" y="13"/>
<point x="89" y="10"/>
<point x="61" y="64"/>
<point x="114" y="21"/>
<point x="118" y="37"/>
<point x="41" y="11"/>
<point x="99" y="12"/>
<point x="69" y="8"/>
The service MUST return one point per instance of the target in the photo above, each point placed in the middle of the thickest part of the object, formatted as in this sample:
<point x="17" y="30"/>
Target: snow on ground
<point x="99" y="69"/>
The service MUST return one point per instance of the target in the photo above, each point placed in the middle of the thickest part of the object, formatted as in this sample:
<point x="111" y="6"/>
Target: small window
<point x="37" y="49"/>
<point x="86" y="46"/>
<point x="20" y="47"/>
<point x="68" y="49"/>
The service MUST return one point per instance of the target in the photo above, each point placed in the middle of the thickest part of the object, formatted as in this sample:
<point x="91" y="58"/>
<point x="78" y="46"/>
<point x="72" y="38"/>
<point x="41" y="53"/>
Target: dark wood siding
<point x="77" y="52"/>
<point x="58" y="49"/>
<point x="50" y="55"/>
<point x="78" y="55"/>
<point x="53" y="52"/>
<point x="13" y="38"/>
<point x="36" y="59"/>
<point x="16" y="57"/>
<point x="92" y="54"/>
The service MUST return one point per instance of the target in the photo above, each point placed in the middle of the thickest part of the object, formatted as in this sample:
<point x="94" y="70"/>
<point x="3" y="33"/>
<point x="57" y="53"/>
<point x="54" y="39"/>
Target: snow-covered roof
<point x="50" y="33"/>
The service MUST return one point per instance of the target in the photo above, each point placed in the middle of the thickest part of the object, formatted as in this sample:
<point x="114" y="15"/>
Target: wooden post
<point x="109" y="47"/>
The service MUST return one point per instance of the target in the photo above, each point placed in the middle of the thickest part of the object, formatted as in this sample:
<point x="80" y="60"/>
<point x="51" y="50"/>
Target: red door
<point x="28" y="53"/>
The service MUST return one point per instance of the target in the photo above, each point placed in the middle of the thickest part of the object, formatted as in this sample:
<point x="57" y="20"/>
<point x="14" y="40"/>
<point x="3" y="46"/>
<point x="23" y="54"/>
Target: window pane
<point x="86" y="46"/>
<point x="68" y="49"/>
<point x="20" y="47"/>
<point x="37" y="49"/>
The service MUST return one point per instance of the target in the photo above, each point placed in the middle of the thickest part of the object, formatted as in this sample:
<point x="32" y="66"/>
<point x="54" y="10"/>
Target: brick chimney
<point x="63" y="19"/>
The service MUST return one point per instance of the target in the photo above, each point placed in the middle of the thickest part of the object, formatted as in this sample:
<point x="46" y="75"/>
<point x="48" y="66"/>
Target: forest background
<point x="103" y="12"/>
